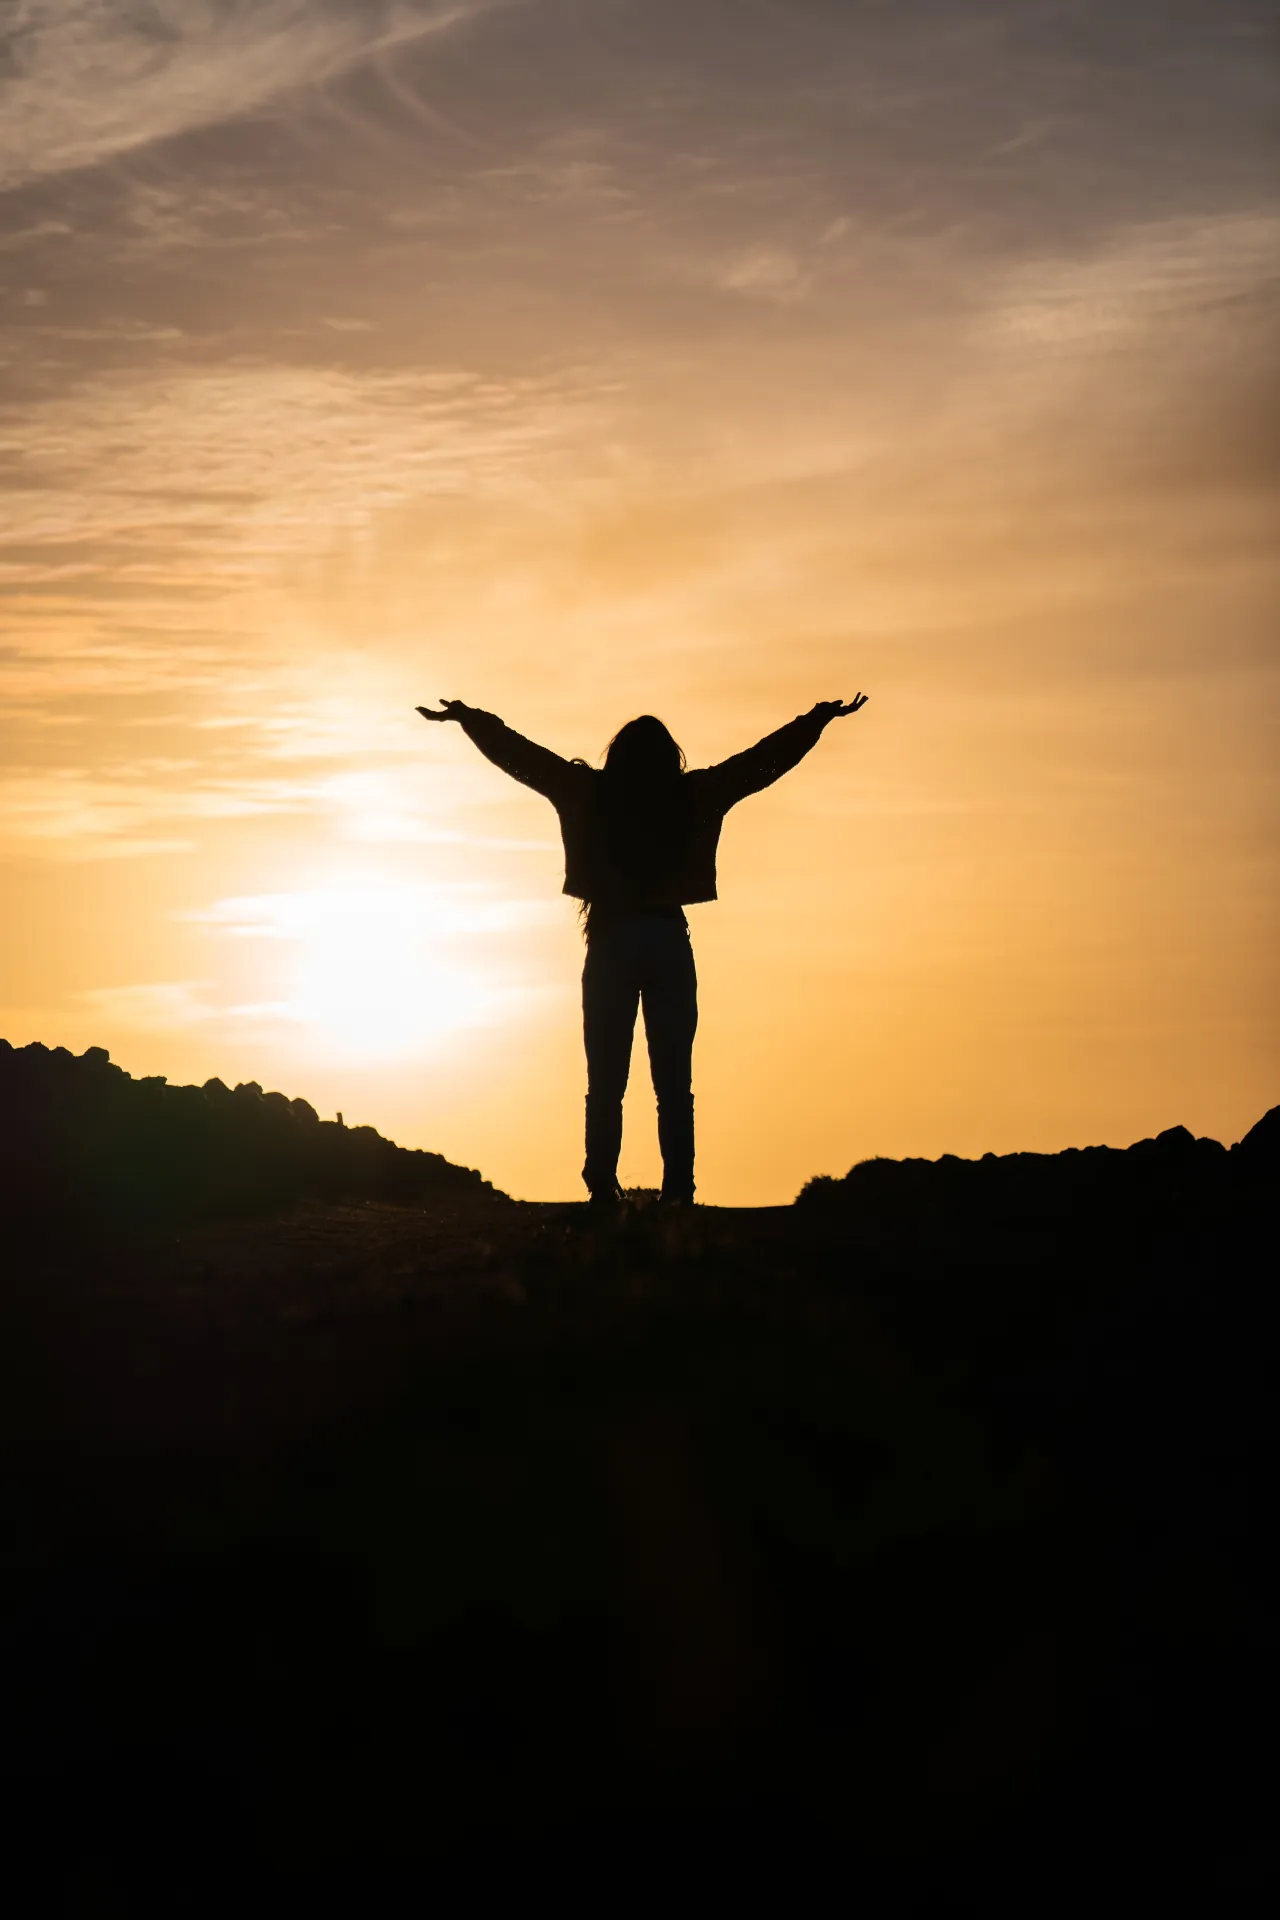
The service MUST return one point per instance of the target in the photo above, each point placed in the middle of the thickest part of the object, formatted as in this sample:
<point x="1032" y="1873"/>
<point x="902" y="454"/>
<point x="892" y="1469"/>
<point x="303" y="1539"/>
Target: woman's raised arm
<point x="759" y="766"/>
<point x="525" y="761"/>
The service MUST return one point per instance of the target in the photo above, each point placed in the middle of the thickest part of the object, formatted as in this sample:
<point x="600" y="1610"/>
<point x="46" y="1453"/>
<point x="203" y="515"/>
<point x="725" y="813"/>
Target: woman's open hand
<point x="449" y="710"/>
<point x="837" y="709"/>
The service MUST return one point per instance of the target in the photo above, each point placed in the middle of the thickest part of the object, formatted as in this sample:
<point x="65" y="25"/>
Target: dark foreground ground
<point x="897" y="1551"/>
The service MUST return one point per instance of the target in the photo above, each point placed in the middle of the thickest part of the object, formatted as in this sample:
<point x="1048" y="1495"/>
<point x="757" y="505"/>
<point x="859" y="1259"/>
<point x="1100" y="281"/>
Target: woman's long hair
<point x="643" y="753"/>
<point x="641" y="804"/>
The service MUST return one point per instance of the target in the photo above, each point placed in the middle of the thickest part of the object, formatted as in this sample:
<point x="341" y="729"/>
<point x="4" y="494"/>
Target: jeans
<point x="639" y="959"/>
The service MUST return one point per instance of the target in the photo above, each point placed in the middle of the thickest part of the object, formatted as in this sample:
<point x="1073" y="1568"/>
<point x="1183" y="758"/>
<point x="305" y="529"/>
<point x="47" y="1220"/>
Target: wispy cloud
<point x="131" y="812"/>
<point x="88" y="79"/>
<point x="402" y="911"/>
<point x="203" y="480"/>
<point x="80" y="815"/>
<point x="1180" y="274"/>
<point x="157" y="1006"/>
<point x="765" y="273"/>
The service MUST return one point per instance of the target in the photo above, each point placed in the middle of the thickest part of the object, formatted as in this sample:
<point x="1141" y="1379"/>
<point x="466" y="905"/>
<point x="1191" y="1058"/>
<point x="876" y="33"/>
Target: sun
<point x="371" y="979"/>
<point x="379" y="969"/>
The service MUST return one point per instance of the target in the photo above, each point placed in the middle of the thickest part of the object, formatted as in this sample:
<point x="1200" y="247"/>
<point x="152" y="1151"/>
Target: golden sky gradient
<point x="577" y="358"/>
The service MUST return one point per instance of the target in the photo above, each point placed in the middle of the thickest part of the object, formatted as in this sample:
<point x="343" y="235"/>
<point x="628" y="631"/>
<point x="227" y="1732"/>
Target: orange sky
<point x="579" y="360"/>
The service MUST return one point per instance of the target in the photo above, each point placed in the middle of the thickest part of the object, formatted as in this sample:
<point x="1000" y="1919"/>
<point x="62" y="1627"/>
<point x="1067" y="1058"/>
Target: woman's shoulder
<point x="699" y="786"/>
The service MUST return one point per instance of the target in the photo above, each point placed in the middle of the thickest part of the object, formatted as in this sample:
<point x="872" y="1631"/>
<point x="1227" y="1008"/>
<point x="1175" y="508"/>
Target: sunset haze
<point x="584" y="358"/>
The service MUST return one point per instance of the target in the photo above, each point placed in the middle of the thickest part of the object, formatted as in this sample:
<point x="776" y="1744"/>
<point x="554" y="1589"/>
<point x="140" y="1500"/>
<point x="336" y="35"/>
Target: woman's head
<point x="644" y="750"/>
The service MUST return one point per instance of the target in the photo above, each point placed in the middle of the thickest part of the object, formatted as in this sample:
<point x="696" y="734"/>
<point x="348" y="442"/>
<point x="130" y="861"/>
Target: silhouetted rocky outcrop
<point x="908" y="1547"/>
<point x="79" y="1137"/>
<point x="1260" y="1148"/>
<point x="1079" y="1183"/>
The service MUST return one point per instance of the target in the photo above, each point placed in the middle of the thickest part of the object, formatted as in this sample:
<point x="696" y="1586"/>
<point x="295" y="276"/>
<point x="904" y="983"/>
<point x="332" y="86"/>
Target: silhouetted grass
<point x="900" y="1549"/>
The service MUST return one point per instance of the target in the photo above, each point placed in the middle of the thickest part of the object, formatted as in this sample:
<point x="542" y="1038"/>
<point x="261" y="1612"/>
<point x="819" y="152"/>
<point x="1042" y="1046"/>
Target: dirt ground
<point x="363" y="1547"/>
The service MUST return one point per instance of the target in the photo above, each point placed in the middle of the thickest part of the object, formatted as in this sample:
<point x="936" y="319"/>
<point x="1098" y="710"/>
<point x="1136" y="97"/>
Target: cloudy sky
<point x="709" y="357"/>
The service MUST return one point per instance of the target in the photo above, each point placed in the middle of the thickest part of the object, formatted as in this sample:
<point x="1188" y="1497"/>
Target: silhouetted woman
<point x="640" y="843"/>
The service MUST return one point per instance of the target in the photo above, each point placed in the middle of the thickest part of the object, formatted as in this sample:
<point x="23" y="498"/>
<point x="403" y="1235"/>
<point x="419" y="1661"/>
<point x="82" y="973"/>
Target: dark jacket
<point x="659" y="849"/>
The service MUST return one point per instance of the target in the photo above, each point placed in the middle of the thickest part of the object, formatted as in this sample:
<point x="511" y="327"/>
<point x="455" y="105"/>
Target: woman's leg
<point x="610" y="996"/>
<point x="670" y="990"/>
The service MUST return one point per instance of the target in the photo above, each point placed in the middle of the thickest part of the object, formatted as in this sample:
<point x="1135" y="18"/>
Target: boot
<point x="675" y="1137"/>
<point x="604" y="1144"/>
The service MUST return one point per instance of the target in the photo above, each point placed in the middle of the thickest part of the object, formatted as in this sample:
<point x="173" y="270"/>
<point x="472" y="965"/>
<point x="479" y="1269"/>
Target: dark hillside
<point x="80" y="1137"/>
<point x="898" y="1550"/>
<point x="1042" y="1188"/>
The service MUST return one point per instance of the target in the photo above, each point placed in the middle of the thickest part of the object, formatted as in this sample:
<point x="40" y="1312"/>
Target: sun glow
<point x="381" y="970"/>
